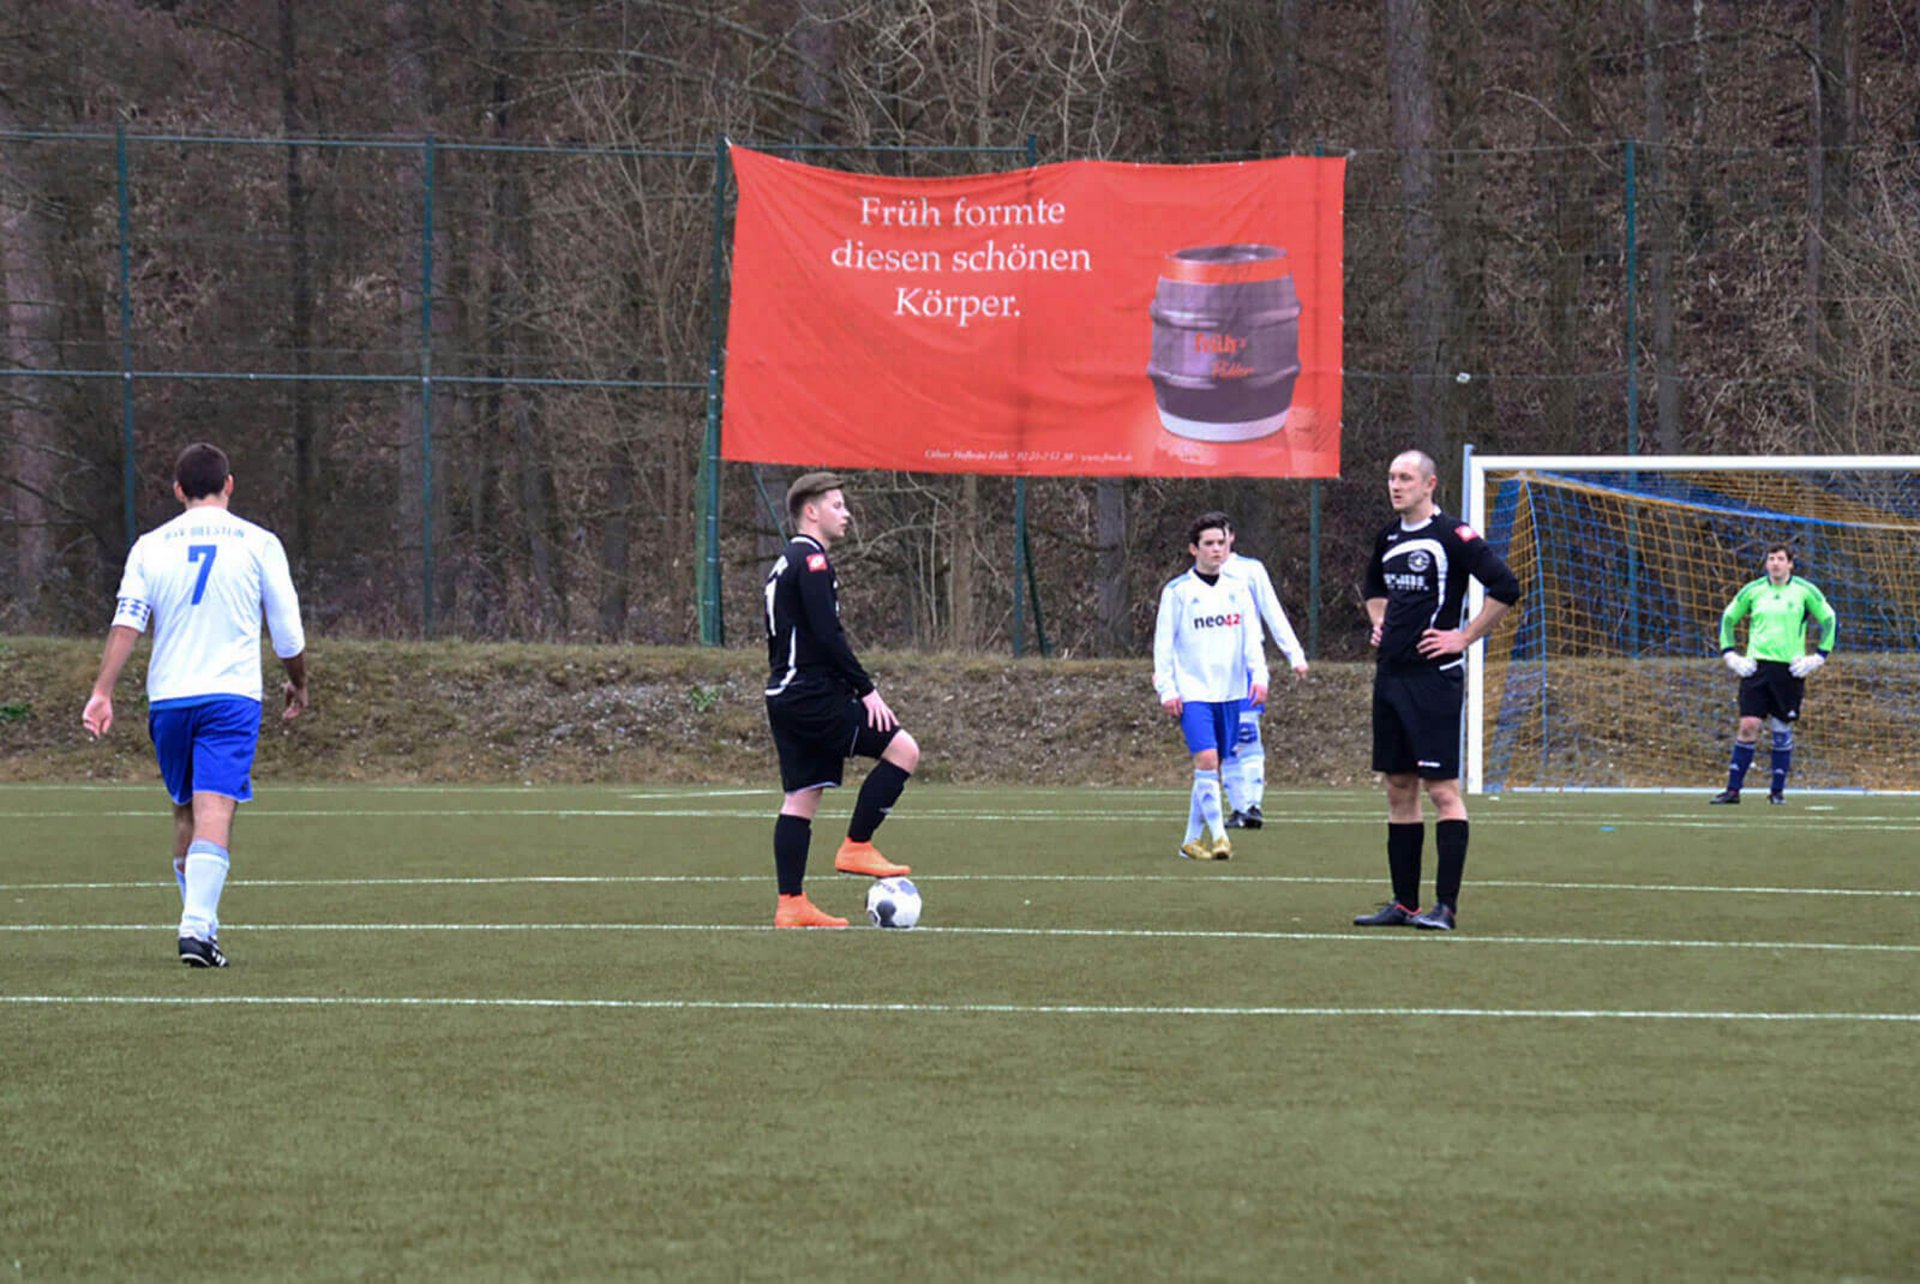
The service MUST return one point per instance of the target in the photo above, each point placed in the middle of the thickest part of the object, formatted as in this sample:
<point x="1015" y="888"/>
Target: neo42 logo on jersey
<point x="1230" y="620"/>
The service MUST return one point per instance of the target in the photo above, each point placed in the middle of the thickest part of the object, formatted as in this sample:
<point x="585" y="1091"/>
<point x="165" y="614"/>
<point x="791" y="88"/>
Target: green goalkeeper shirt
<point x="1777" y="627"/>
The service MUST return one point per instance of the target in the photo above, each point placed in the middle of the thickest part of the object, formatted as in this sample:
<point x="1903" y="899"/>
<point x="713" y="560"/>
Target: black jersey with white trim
<point x="806" y="648"/>
<point x="1422" y="572"/>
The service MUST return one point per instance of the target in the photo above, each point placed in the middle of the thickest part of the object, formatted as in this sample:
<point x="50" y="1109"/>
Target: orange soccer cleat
<point x="865" y="859"/>
<point x="798" y="911"/>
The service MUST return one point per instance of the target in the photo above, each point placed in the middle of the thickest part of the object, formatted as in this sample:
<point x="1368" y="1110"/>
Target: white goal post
<point x="1604" y="672"/>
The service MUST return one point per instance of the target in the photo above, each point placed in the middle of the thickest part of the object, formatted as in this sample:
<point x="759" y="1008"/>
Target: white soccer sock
<point x="180" y="876"/>
<point x="206" y="876"/>
<point x="1196" y="815"/>
<point x="1206" y="790"/>
<point x="1233" y="778"/>
<point x="1253" y="770"/>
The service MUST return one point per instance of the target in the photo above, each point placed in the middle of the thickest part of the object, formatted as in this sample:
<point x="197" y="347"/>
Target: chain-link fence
<point x="471" y="384"/>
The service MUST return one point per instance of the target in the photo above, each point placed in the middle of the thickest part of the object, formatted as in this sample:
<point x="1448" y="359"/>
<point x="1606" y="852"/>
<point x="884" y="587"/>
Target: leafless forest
<point x="564" y="311"/>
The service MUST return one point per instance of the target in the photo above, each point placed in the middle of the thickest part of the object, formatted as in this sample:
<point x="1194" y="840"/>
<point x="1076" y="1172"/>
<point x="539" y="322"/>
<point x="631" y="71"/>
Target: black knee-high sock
<point x="1450" y="839"/>
<point x="878" y="793"/>
<point x="1404" y="840"/>
<point x="791" y="837"/>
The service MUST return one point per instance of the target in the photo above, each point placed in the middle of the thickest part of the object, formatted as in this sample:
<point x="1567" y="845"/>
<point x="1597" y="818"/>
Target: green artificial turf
<point x="519" y="1032"/>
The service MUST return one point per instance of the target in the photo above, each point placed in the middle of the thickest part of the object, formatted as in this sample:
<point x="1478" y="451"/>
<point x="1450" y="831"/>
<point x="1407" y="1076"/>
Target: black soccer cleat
<point x="1777" y="799"/>
<point x="1253" y="818"/>
<point x="1392" y="914"/>
<point x="195" y="952"/>
<point x="1726" y="797"/>
<point x="1437" y="919"/>
<point x="1238" y="820"/>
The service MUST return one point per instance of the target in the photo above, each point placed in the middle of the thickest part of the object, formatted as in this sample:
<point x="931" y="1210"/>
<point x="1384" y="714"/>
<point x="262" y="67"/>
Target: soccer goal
<point x="1607" y="674"/>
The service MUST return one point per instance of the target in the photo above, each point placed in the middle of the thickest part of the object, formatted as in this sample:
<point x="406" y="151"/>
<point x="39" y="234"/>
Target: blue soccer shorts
<point x="206" y="747"/>
<point x="1208" y="725"/>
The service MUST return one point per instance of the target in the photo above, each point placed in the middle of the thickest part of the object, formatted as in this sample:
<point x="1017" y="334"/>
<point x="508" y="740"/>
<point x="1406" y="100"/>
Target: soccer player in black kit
<point x="823" y="708"/>
<point x="1416" y="594"/>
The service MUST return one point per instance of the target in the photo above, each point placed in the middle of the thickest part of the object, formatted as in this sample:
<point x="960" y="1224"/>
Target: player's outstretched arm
<point x="97" y="717"/>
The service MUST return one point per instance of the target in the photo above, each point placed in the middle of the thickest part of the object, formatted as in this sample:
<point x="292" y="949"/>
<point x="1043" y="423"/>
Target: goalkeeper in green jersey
<point x="1779" y="607"/>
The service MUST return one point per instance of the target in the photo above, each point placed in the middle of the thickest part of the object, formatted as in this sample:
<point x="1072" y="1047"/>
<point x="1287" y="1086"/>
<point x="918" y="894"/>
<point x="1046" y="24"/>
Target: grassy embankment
<point x="484" y="713"/>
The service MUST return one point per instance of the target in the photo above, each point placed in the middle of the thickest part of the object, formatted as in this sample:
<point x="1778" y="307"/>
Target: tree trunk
<point x="1658" y="237"/>
<point x="1568" y="180"/>
<point x="1415" y="129"/>
<point x="535" y="483"/>
<point x="961" y="625"/>
<point x="30" y="341"/>
<point x="1166" y="100"/>
<point x="1286" y="75"/>
<point x="1464" y="241"/>
<point x="616" y="542"/>
<point x="300" y="291"/>
<point x="1115" y="636"/>
<point x="1836" y="108"/>
<point x="813" y="41"/>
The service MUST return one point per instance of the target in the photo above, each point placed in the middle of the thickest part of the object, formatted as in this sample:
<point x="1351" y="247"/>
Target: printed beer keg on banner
<point x="1226" y="342"/>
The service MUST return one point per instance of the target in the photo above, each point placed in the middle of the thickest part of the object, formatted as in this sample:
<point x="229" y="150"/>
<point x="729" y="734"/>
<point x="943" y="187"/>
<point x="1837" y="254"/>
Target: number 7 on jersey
<point x="195" y="553"/>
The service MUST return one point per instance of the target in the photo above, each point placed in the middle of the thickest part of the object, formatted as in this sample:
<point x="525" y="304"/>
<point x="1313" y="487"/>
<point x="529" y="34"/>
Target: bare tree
<point x="1415" y="135"/>
<point x="300" y="330"/>
<point x="1658" y="236"/>
<point x="1835" y="102"/>
<point x="30" y="341"/>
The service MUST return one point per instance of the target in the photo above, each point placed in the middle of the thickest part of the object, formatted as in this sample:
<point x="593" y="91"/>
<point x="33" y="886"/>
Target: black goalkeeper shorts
<point x="1772" y="692"/>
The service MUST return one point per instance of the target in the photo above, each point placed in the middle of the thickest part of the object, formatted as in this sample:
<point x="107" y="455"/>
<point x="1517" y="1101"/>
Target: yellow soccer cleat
<point x="1197" y="850"/>
<point x="1222" y="848"/>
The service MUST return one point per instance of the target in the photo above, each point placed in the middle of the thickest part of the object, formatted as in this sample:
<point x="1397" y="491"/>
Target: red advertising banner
<point x="1082" y="319"/>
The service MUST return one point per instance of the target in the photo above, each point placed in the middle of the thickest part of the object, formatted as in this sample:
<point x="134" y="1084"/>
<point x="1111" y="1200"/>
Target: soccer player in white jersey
<point x="1207" y="662"/>
<point x="1245" y="773"/>
<point x="203" y="581"/>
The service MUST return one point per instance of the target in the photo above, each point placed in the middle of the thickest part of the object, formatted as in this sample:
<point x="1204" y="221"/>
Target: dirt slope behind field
<point x="480" y="713"/>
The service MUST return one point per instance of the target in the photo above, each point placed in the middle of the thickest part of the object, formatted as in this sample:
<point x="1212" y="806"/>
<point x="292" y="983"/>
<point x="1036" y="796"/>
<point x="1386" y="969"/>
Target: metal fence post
<point x="123" y="199"/>
<point x="1313" y="530"/>
<point x="426" y="389"/>
<point x="1020" y="562"/>
<point x="712" y="621"/>
<point x="1633" y="397"/>
<point x="1313" y="570"/>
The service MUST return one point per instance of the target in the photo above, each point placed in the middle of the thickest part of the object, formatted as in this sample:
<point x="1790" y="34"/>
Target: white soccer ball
<point x="893" y="902"/>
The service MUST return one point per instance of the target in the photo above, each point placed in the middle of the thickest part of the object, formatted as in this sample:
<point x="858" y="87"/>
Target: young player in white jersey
<point x="1207" y="662"/>
<point x="203" y="581"/>
<point x="1245" y="773"/>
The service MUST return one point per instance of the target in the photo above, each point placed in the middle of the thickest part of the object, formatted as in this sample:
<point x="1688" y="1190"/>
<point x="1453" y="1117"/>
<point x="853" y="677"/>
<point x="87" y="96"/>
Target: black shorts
<point x="1772" y="692"/>
<point x="1416" y="721"/>
<point x="816" y="731"/>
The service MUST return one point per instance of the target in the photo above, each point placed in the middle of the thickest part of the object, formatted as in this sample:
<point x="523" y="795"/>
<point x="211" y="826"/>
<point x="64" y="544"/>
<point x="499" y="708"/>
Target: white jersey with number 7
<point x="203" y="581"/>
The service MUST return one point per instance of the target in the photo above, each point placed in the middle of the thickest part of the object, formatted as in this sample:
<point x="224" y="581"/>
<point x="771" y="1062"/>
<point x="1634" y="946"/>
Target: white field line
<point x="1106" y="933"/>
<point x="1523" y="884"/>
<point x="1824" y="822"/>
<point x="938" y="1009"/>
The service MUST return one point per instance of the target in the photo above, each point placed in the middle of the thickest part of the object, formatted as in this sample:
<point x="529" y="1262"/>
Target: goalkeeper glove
<point x="1806" y="664"/>
<point x="1740" y="664"/>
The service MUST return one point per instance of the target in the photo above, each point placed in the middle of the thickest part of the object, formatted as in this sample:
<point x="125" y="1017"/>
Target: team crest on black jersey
<point x="1418" y="561"/>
